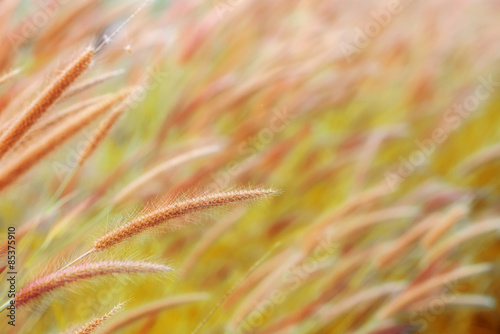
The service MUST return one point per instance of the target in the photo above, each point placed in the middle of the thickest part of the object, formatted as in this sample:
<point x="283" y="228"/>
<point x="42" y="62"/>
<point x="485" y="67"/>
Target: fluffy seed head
<point x="66" y="276"/>
<point x="89" y="327"/>
<point x="176" y="210"/>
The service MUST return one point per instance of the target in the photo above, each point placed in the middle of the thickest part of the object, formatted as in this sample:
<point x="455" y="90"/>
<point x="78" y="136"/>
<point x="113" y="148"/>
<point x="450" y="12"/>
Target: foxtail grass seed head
<point x="44" y="101"/>
<point x="94" y="324"/>
<point x="176" y="210"/>
<point x="62" y="278"/>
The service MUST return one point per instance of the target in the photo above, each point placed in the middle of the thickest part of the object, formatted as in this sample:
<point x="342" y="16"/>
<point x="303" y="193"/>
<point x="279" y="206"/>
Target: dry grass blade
<point x="382" y="137"/>
<point x="50" y="121"/>
<point x="151" y="309"/>
<point x="100" y="133"/>
<point x="7" y="76"/>
<point x="399" y="247"/>
<point x="161" y="168"/>
<point x="67" y="276"/>
<point x="443" y="225"/>
<point x="336" y="284"/>
<point x="272" y="280"/>
<point x="46" y="99"/>
<point x="176" y="210"/>
<point x="57" y="137"/>
<point x="370" y="195"/>
<point x="362" y="298"/>
<point x="208" y="239"/>
<point x="103" y="130"/>
<point x="416" y="293"/>
<point x="479" y="159"/>
<point x="256" y="276"/>
<point x="13" y="109"/>
<point x="89" y="327"/>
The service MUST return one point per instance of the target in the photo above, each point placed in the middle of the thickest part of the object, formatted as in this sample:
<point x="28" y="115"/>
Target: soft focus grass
<point x="225" y="72"/>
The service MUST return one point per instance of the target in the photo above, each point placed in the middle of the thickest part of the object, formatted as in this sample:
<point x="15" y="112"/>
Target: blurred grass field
<point x="376" y="121"/>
